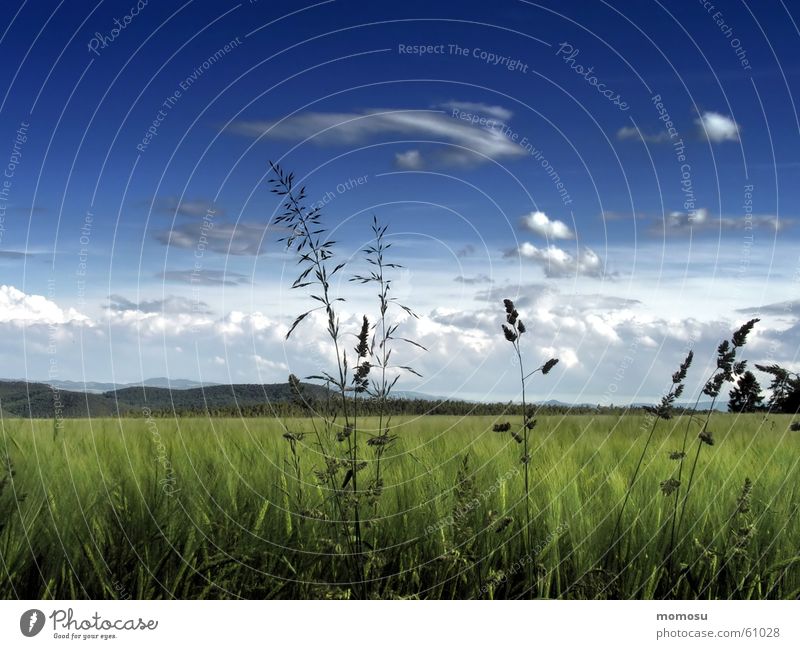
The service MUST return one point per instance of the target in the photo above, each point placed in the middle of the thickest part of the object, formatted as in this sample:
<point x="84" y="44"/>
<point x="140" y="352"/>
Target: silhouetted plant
<point x="661" y="411"/>
<point x="513" y="330"/>
<point x="315" y="257"/>
<point x="727" y="367"/>
<point x="385" y="332"/>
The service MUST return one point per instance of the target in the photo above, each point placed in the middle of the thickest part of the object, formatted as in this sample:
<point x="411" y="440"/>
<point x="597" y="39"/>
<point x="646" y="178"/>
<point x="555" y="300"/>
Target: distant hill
<point x="70" y="399"/>
<point x="212" y="397"/>
<point x="43" y="400"/>
<point x="99" y="388"/>
<point x="39" y="400"/>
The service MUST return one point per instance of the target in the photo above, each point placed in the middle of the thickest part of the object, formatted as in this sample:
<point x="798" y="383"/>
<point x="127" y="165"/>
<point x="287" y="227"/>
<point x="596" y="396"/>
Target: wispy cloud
<point x="14" y="254"/>
<point x="712" y="126"/>
<point x="498" y="112"/>
<point x="474" y="144"/>
<point x="477" y="279"/>
<point x="789" y="308"/>
<point x="523" y="294"/>
<point x="701" y="220"/>
<point x="169" y="304"/>
<point x="541" y="224"/>
<point x="466" y="251"/>
<point x="186" y="207"/>
<point x="245" y="238"/>
<point x="633" y="133"/>
<point x="204" y="277"/>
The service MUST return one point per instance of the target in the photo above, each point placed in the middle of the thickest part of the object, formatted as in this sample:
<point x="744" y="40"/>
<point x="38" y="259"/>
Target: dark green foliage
<point x="746" y="395"/>
<point x="784" y="389"/>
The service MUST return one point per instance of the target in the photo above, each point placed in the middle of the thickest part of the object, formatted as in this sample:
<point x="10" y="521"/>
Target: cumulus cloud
<point x="557" y="262"/>
<point x="717" y="127"/>
<point x="169" y="304"/>
<point x="244" y="238"/>
<point x="204" y="277"/>
<point x="349" y="129"/>
<point x="593" y="335"/>
<point x="16" y="306"/>
<point x="411" y="159"/>
<point x="539" y="223"/>
<point x="633" y="133"/>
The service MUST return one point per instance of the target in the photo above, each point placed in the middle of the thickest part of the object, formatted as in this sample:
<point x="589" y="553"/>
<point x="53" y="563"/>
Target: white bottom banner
<point x="389" y="624"/>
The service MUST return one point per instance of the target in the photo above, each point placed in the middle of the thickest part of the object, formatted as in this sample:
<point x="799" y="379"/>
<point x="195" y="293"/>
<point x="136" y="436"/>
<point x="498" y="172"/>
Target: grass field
<point x="214" y="508"/>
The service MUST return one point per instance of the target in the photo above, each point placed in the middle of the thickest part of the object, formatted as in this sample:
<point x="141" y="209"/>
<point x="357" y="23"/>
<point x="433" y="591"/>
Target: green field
<point x="214" y="508"/>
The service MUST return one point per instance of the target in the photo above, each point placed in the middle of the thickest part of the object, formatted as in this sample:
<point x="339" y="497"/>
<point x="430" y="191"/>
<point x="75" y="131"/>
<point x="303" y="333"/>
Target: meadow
<point x="234" y="508"/>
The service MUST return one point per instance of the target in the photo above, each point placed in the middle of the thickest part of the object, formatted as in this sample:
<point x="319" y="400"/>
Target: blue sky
<point x="627" y="170"/>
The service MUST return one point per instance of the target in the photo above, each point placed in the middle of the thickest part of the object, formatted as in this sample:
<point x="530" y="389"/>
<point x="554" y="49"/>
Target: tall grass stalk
<point x="513" y="330"/>
<point x="662" y="411"/>
<point x="314" y="256"/>
<point x="380" y="348"/>
<point x="727" y="369"/>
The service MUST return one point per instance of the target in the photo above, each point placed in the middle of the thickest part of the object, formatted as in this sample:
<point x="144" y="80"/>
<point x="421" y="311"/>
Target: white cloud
<point x="481" y="278"/>
<point x="540" y="223"/>
<point x="265" y="364"/>
<point x="411" y="159"/>
<point x="701" y="220"/>
<point x="633" y="133"/>
<point x="498" y="112"/>
<point x="593" y="335"/>
<point x="717" y="127"/>
<point x="16" y="306"/>
<point x="169" y="304"/>
<point x="557" y="262"/>
<point x="349" y="129"/>
<point x="204" y="277"/>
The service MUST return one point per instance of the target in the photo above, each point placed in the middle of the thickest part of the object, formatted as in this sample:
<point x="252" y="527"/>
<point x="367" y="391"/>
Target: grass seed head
<point x="362" y="349"/>
<point x="743" y="501"/>
<point x="740" y="335"/>
<point x="549" y="365"/>
<point x="503" y="524"/>
<point x="668" y="487"/>
<point x="706" y="437"/>
<point x="680" y="375"/>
